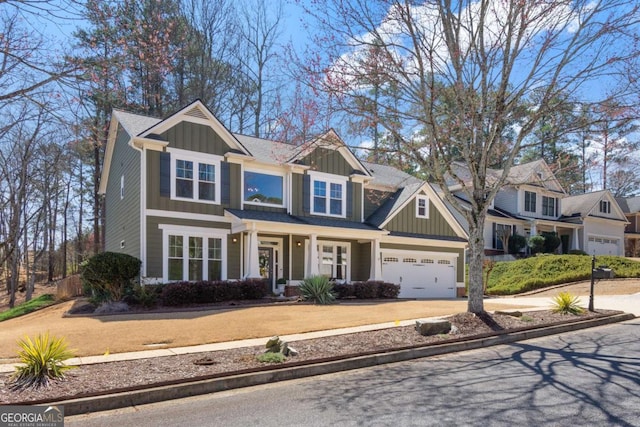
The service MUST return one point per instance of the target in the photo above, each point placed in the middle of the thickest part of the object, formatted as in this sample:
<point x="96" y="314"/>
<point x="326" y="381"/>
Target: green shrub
<point x="108" y="276"/>
<point x="388" y="290"/>
<point x="205" y="292"/>
<point x="517" y="243"/>
<point x="146" y="296"/>
<point x="566" y="303"/>
<point x="42" y="360"/>
<point x="270" y="357"/>
<point x="536" y="244"/>
<point x="344" y="290"/>
<point x="317" y="289"/>
<point x="551" y="242"/>
<point x="366" y="290"/>
<point x="523" y="275"/>
<point x="577" y="252"/>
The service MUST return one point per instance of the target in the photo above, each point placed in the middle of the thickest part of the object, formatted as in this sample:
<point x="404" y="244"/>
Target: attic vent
<point x="196" y="112"/>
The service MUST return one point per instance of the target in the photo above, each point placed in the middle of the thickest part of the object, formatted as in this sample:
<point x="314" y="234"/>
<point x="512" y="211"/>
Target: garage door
<point x="420" y="275"/>
<point x="603" y="246"/>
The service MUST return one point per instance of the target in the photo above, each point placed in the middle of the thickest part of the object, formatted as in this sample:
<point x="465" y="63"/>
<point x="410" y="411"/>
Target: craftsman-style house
<point x="194" y="201"/>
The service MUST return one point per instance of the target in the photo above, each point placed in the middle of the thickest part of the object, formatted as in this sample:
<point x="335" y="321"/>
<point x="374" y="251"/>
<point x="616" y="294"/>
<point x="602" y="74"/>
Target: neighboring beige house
<point x="194" y="201"/>
<point x="532" y="201"/>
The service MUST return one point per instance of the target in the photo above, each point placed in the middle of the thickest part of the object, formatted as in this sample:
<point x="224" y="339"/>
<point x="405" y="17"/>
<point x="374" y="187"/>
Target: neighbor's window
<point x="529" y="201"/>
<point x="548" y="206"/>
<point x="262" y="188"/>
<point x="422" y="207"/>
<point x="605" y="206"/>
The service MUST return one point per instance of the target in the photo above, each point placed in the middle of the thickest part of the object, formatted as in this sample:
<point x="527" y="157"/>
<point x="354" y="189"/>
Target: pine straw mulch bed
<point x="103" y="378"/>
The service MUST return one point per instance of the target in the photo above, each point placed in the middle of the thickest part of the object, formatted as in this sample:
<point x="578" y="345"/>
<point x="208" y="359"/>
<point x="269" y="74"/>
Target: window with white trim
<point x="263" y="188"/>
<point x="328" y="195"/>
<point x="422" y="207"/>
<point x="529" y="201"/>
<point x="191" y="255"/>
<point x="549" y="206"/>
<point x="605" y="206"/>
<point x="334" y="260"/>
<point x="195" y="176"/>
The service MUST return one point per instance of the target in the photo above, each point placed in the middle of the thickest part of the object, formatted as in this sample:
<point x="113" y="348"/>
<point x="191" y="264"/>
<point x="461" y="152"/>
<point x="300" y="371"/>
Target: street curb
<point x="199" y="387"/>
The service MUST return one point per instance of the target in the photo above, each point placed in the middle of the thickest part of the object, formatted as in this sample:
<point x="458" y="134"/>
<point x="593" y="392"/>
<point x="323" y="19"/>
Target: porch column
<point x="252" y="260"/>
<point x="375" y="272"/>
<point x="575" y="244"/>
<point x="534" y="230"/>
<point x="312" y="261"/>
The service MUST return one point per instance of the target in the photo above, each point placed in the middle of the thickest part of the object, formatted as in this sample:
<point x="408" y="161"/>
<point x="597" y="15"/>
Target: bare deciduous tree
<point x="465" y="74"/>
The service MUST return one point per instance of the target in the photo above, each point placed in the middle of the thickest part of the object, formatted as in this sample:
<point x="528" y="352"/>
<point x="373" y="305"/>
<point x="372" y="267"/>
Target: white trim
<point x="422" y="242"/>
<point x="186" y="232"/>
<point x="276" y="173"/>
<point x="437" y="255"/>
<point x="143" y="211"/>
<point x="122" y="187"/>
<point x="418" y="198"/>
<point x="334" y="244"/>
<point x="328" y="179"/>
<point x="196" y="158"/>
<point x="187" y="215"/>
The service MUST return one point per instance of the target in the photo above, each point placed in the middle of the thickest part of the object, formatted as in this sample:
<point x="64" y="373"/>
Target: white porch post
<point x="534" y="230"/>
<point x="575" y="244"/>
<point x="375" y="272"/>
<point x="312" y="261"/>
<point x="252" y="261"/>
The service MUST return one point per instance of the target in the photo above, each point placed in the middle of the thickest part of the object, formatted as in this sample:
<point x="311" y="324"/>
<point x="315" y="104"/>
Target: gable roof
<point x="525" y="173"/>
<point x="585" y="204"/>
<point x="388" y="176"/>
<point x="630" y="204"/>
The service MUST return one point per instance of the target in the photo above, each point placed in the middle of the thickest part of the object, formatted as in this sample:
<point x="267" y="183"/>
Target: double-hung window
<point x="529" y="201"/>
<point x="422" y="207"/>
<point x="195" y="176"/>
<point x="328" y="195"/>
<point x="334" y="260"/>
<point x="549" y="206"/>
<point x="605" y="206"/>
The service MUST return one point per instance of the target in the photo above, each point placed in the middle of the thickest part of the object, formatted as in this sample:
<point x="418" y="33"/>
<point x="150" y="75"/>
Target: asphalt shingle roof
<point x="135" y="124"/>
<point x="285" y="218"/>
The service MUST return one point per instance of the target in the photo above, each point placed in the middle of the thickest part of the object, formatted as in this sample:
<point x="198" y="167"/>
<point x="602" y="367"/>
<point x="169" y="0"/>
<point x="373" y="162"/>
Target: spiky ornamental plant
<point x="317" y="289"/>
<point x="566" y="303"/>
<point x="42" y="360"/>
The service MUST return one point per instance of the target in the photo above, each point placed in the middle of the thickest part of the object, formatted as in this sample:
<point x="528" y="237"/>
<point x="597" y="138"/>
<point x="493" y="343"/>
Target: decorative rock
<point x="273" y="345"/>
<point x="433" y="327"/>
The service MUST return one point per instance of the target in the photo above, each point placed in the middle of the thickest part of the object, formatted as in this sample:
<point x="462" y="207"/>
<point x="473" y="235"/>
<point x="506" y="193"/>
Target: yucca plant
<point x="317" y="289"/>
<point x="42" y="360"/>
<point x="566" y="303"/>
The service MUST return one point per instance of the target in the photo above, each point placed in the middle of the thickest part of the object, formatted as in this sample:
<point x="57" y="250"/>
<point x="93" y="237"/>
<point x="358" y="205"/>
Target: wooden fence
<point x="69" y="287"/>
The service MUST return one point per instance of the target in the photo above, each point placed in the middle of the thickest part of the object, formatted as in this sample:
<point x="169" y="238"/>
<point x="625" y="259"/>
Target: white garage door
<point x="420" y="275"/>
<point x="603" y="246"/>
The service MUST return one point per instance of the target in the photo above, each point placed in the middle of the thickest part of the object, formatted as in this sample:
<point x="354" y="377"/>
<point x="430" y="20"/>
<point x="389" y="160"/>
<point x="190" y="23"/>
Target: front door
<point x="266" y="259"/>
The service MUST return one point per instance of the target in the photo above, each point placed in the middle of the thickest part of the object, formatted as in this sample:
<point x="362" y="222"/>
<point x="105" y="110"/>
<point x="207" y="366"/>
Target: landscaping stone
<point x="433" y="327"/>
<point x="510" y="313"/>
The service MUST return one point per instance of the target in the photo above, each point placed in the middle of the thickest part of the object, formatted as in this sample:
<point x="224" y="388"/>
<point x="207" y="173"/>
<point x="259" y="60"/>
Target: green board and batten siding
<point x="154" y="248"/>
<point x="195" y="137"/>
<point x="405" y="221"/>
<point x="328" y="161"/>
<point x="123" y="215"/>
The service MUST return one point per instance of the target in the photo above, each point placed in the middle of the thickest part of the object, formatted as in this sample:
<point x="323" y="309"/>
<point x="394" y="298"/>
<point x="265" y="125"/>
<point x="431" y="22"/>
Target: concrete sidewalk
<point x="626" y="303"/>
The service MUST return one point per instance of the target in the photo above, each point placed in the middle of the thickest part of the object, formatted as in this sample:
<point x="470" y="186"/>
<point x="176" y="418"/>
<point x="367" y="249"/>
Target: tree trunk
<point x="476" y="261"/>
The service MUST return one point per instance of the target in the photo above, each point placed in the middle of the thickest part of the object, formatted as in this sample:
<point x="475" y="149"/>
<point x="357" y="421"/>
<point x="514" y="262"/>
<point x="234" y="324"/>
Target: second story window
<point x="195" y="176"/>
<point x="529" y="201"/>
<point x="328" y="196"/>
<point x="548" y="206"/>
<point x="605" y="206"/>
<point x="263" y="188"/>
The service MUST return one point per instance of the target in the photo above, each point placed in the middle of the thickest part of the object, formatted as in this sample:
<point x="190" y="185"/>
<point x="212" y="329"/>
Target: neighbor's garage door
<point x="603" y="246"/>
<point x="420" y="275"/>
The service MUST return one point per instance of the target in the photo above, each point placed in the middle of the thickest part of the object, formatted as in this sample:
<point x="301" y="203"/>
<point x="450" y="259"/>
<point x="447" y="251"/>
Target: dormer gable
<point x="327" y="153"/>
<point x="600" y="204"/>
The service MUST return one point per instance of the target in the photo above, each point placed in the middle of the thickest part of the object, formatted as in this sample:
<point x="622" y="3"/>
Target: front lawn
<point x="27" y="307"/>
<point x="514" y="277"/>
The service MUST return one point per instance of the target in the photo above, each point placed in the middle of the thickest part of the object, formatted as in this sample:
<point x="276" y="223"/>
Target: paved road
<point x="586" y="378"/>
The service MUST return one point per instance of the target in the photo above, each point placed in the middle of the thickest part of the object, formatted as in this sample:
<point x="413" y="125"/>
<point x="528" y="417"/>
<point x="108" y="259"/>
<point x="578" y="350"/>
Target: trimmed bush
<point x="108" y="276"/>
<point x="577" y="252"/>
<point x="551" y="242"/>
<point x="388" y="290"/>
<point x="517" y="243"/>
<point x="366" y="290"/>
<point x="536" y="243"/>
<point x="344" y="290"/>
<point x="205" y="292"/>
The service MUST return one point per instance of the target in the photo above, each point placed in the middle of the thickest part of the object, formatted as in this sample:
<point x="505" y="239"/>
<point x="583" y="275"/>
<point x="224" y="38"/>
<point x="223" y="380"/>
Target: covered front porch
<point x="568" y="233"/>
<point x="284" y="253"/>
